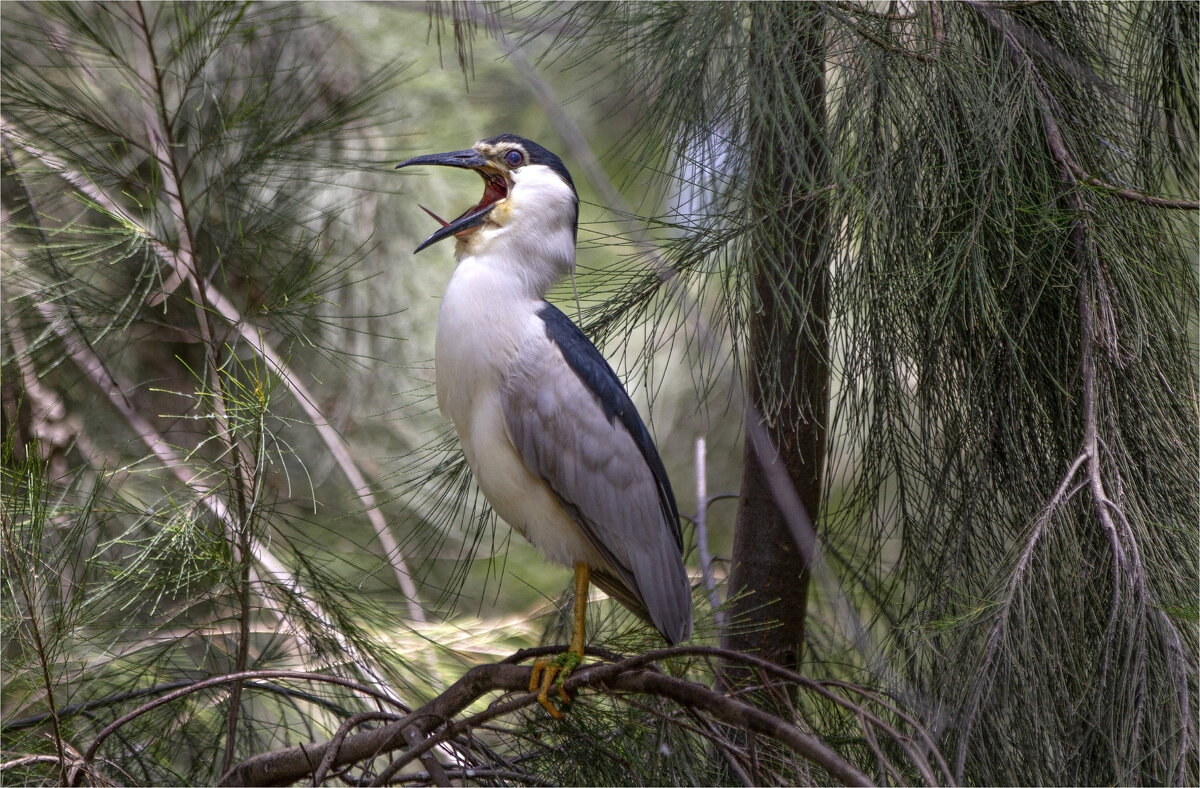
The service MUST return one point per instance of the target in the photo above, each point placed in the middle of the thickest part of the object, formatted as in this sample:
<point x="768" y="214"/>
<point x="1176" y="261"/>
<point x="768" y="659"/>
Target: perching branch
<point x="435" y="722"/>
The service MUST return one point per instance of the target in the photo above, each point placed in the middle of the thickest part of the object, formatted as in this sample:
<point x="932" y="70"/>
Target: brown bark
<point x="788" y="357"/>
<point x="434" y="723"/>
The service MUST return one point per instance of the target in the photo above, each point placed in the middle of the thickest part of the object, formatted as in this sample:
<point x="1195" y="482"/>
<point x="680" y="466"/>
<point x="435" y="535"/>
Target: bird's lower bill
<point x="495" y="189"/>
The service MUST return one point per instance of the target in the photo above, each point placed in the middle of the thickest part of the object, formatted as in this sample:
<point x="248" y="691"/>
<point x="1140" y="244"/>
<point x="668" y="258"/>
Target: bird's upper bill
<point x="487" y="160"/>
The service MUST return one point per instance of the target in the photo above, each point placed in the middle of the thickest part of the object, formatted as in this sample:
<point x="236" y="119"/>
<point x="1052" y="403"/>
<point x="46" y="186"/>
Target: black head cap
<point x="537" y="155"/>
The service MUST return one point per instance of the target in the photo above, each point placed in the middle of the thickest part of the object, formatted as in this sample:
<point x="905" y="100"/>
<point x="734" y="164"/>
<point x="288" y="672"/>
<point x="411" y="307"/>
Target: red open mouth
<point x="495" y="188"/>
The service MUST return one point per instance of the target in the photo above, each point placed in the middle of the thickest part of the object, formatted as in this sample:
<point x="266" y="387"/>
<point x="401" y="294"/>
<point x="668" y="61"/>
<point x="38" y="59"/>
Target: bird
<point x="550" y="434"/>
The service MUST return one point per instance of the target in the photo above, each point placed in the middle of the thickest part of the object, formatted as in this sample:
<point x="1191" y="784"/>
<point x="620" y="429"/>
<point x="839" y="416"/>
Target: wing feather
<point x="574" y="425"/>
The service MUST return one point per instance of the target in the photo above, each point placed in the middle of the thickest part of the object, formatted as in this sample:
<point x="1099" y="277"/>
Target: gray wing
<point x="574" y="426"/>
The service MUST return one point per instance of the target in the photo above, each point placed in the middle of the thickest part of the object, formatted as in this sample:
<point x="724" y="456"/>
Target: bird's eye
<point x="514" y="158"/>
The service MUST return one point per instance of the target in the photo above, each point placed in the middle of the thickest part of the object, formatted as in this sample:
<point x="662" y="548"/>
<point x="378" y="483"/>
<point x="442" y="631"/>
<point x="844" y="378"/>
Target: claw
<point x="555" y="671"/>
<point x="547" y="672"/>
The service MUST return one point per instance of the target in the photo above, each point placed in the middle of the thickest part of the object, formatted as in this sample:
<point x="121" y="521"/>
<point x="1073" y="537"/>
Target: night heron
<point x="554" y="441"/>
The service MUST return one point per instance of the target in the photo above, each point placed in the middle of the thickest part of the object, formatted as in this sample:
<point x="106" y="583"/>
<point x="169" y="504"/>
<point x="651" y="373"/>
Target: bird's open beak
<point x="495" y="188"/>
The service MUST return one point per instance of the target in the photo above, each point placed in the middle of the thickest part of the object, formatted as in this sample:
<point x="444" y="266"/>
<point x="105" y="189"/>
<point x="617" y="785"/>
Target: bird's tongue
<point x="493" y="191"/>
<point x="436" y="218"/>
<point x="495" y="188"/>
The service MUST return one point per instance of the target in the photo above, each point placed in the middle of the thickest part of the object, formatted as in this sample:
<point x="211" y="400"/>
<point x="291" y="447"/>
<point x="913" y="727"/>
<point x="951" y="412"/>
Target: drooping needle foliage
<point x="1010" y="499"/>
<point x="941" y="259"/>
<point x="176" y="181"/>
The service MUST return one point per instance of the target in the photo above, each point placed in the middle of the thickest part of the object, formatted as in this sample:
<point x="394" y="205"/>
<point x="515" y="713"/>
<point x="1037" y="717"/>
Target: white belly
<point x="479" y="333"/>
<point x="522" y="500"/>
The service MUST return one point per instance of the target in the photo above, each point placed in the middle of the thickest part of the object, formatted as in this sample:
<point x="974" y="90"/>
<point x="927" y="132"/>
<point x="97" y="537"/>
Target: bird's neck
<point x="529" y="263"/>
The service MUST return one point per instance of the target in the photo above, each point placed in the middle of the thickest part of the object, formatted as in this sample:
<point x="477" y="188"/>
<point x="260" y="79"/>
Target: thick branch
<point x="296" y="763"/>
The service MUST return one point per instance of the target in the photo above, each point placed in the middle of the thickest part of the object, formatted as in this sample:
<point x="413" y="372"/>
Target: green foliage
<point x="43" y="527"/>
<point x="201" y="290"/>
<point x="1012" y="438"/>
<point x="177" y="182"/>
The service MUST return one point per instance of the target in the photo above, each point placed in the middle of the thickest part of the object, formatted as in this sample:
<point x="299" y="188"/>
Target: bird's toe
<point x="553" y="672"/>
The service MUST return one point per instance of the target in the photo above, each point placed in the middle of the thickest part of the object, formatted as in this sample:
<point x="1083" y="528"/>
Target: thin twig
<point x="1132" y="195"/>
<point x="340" y="735"/>
<point x="29" y="760"/>
<point x="1063" y="494"/>
<point x="863" y="9"/>
<point x="216" y="681"/>
<point x="252" y="336"/>
<point x="706" y="560"/>
<point x="888" y="46"/>
<point x="437" y="775"/>
<point x="22" y="573"/>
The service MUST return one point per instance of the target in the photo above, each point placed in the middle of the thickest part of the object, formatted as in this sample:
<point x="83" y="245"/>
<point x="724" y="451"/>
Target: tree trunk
<point x="788" y="355"/>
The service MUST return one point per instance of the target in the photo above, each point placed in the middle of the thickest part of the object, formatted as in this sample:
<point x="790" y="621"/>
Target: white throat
<point x="530" y="235"/>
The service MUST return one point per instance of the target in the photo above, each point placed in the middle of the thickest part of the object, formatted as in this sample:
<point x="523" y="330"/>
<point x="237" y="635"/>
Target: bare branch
<point x="706" y="560"/>
<point x="1131" y="194"/>
<point x="419" y="732"/>
<point x="28" y="760"/>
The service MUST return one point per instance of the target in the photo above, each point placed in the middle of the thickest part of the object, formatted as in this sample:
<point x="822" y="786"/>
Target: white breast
<point x="481" y="326"/>
<point x="486" y="317"/>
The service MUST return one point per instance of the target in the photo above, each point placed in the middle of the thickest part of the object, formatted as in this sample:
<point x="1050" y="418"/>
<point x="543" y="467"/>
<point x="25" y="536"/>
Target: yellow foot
<point x="544" y="673"/>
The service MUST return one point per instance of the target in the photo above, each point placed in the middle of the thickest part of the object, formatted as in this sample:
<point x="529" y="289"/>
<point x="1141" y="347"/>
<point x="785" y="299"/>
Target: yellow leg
<point x="546" y="670"/>
<point x="583" y="576"/>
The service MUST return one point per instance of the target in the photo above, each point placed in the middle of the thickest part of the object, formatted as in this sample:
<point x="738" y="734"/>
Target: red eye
<point x="514" y="158"/>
